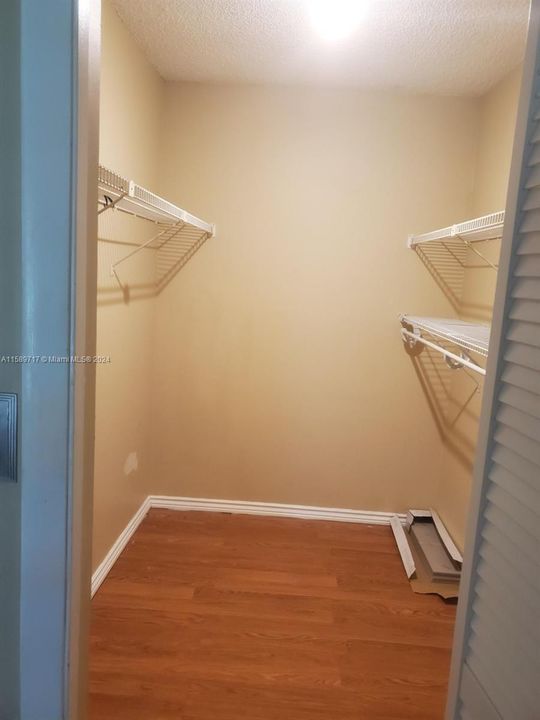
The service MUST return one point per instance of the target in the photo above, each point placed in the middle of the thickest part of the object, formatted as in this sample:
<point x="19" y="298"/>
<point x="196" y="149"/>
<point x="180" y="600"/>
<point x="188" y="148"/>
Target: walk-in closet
<point x="303" y="209"/>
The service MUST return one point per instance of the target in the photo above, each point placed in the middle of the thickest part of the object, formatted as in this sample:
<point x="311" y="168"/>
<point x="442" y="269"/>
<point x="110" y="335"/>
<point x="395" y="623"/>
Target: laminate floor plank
<point x="211" y="616"/>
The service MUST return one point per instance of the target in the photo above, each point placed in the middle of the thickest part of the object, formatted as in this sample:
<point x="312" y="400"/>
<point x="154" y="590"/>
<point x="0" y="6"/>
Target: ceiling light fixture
<point x="335" y="19"/>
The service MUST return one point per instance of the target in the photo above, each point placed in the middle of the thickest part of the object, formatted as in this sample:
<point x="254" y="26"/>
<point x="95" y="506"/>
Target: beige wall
<point x="498" y="118"/>
<point x="131" y="113"/>
<point x="496" y="132"/>
<point x="280" y="373"/>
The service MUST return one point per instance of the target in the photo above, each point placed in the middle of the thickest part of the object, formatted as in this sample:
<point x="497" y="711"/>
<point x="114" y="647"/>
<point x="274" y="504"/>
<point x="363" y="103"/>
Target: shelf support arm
<point x="167" y="231"/>
<point x="112" y="204"/>
<point x="470" y="246"/>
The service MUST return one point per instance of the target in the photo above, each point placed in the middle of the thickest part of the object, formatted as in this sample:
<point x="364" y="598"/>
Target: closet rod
<point x="443" y="351"/>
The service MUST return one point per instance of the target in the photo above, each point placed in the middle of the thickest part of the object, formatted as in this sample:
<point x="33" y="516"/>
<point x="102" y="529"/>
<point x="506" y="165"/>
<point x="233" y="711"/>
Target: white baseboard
<point x="241" y="507"/>
<point x="114" y="553"/>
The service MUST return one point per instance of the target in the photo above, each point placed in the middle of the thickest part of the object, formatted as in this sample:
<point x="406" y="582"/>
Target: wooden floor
<point x="227" y="617"/>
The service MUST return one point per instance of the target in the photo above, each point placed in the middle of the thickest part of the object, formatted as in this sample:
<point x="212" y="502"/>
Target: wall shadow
<point x="146" y="274"/>
<point x="445" y="263"/>
<point x="173" y="255"/>
<point x="437" y="381"/>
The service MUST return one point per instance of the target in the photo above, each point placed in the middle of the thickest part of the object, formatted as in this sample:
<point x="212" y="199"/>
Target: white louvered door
<point x="496" y="662"/>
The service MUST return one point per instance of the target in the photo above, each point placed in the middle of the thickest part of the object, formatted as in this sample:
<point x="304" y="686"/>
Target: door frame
<point x="59" y="69"/>
<point x="84" y="293"/>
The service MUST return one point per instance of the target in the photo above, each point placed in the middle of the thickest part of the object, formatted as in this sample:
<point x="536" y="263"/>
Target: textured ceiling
<point x="436" y="46"/>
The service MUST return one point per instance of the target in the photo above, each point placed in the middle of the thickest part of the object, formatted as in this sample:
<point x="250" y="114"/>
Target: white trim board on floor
<point x="240" y="507"/>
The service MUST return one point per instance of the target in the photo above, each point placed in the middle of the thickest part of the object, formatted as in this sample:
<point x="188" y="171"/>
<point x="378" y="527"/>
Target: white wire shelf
<point x="178" y="234"/>
<point x="122" y="194"/>
<point x="487" y="227"/>
<point x="464" y="337"/>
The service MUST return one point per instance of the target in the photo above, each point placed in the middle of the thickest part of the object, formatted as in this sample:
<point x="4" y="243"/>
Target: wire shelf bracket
<point x="176" y="228"/>
<point x="463" y="337"/>
<point x="487" y="227"/>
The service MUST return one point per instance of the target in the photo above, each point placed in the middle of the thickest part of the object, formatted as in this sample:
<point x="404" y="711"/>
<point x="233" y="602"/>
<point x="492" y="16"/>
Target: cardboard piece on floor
<point x="417" y="570"/>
